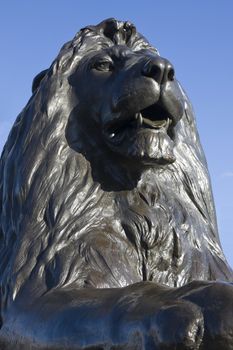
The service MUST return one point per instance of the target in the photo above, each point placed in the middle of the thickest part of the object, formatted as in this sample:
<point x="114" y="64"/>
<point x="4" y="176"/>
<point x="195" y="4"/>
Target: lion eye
<point x="103" y="66"/>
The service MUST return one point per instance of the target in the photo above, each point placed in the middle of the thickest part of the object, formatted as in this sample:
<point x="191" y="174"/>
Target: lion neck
<point x="168" y="230"/>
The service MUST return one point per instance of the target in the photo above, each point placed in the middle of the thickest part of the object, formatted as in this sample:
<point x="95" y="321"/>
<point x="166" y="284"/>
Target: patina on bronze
<point x="108" y="229"/>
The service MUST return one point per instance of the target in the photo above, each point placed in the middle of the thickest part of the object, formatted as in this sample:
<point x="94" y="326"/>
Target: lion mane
<point x="58" y="217"/>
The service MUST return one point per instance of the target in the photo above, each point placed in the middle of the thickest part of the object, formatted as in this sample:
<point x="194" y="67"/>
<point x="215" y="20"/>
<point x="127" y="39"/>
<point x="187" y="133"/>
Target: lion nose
<point x="160" y="69"/>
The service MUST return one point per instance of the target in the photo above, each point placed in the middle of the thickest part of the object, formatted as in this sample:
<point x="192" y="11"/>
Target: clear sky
<point x="196" y="36"/>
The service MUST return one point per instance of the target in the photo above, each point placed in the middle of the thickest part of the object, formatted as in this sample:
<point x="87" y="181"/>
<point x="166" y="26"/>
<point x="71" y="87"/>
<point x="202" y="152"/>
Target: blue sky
<point x="196" y="36"/>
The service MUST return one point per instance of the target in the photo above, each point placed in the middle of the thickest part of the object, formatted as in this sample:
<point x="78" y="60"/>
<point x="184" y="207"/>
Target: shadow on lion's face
<point x="129" y="102"/>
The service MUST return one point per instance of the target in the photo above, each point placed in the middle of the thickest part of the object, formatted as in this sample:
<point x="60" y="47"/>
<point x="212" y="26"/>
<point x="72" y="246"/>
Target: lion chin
<point x="146" y="146"/>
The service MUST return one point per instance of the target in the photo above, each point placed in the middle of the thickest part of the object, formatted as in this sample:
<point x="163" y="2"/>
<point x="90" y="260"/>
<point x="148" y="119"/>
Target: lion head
<point x="107" y="143"/>
<point x="137" y="101"/>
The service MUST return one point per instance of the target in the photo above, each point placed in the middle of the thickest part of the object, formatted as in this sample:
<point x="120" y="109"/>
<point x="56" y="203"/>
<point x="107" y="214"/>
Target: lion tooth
<point x="139" y="119"/>
<point x="167" y="123"/>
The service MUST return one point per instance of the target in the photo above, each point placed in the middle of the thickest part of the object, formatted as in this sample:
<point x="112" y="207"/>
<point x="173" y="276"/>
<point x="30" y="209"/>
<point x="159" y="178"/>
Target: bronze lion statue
<point x="108" y="229"/>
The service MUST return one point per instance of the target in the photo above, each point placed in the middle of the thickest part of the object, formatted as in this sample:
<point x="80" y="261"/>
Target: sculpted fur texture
<point x="105" y="195"/>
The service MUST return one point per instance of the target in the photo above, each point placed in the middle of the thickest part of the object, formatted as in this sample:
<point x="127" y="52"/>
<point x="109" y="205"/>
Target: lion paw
<point x="179" y="326"/>
<point x="216" y="301"/>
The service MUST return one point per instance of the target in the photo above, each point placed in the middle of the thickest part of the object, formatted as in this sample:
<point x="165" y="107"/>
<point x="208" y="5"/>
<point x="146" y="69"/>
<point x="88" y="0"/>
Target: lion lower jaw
<point x="147" y="146"/>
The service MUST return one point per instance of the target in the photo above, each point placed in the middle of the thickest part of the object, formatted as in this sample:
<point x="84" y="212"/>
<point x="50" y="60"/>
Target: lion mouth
<point x="151" y="119"/>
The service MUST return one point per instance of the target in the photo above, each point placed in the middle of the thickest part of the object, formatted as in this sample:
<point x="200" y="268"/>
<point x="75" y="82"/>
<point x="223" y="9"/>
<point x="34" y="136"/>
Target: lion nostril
<point x="156" y="72"/>
<point x="153" y="69"/>
<point x="159" y="69"/>
<point x="171" y="73"/>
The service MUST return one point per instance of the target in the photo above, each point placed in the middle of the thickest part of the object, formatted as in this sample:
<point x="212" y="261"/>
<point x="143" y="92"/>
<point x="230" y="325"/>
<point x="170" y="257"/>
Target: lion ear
<point x="37" y="80"/>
